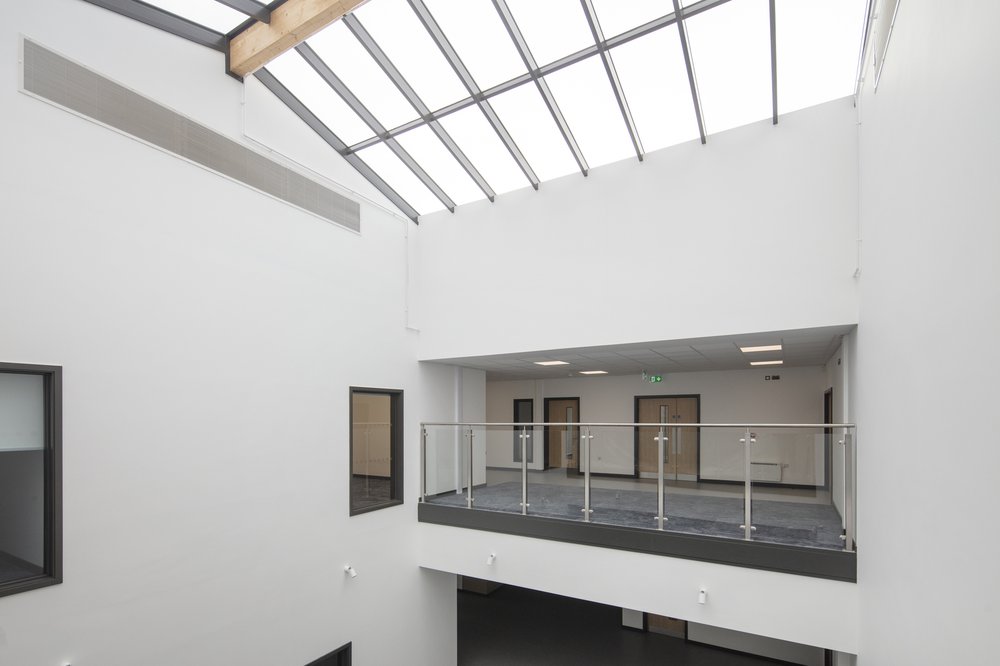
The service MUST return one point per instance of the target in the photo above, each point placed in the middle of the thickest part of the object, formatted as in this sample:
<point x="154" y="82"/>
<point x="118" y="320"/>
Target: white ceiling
<point x="803" y="347"/>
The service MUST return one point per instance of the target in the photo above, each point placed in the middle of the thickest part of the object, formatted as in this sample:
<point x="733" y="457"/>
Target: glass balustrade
<point x="775" y="483"/>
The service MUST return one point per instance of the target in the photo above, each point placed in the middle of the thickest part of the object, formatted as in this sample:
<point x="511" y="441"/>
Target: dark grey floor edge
<point x="814" y="562"/>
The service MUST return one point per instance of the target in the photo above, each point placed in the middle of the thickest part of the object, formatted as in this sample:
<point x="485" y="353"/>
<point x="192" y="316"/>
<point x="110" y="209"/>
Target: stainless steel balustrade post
<point x="585" y="460"/>
<point x="849" y="517"/>
<point x="661" y="443"/>
<point x="747" y="498"/>
<point x="468" y="499"/>
<point x="423" y="462"/>
<point x="524" y="470"/>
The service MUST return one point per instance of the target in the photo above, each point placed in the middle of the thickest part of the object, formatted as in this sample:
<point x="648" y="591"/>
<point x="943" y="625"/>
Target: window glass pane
<point x="480" y="39"/>
<point x="524" y="114"/>
<point x="303" y="81"/>
<point x="652" y="73"/>
<point x="375" y="444"/>
<point x="617" y="17"/>
<point x="398" y="32"/>
<point x="208" y="13"/>
<point x="588" y="103"/>
<point x="352" y="64"/>
<point x="22" y="476"/>
<point x="399" y="177"/>
<point x="472" y="132"/>
<point x="731" y="52"/>
<point x="432" y="155"/>
<point x="552" y="29"/>
<point x="818" y="44"/>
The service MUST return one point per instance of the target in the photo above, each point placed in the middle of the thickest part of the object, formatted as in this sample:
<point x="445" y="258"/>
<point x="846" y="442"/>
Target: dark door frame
<point x="697" y="441"/>
<point x="517" y="441"/>
<point x="828" y="439"/>
<point x="545" y="437"/>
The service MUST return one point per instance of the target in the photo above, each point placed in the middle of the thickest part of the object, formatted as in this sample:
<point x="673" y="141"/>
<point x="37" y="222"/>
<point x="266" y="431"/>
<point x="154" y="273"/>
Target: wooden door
<point x="562" y="442"/>
<point x="681" y="449"/>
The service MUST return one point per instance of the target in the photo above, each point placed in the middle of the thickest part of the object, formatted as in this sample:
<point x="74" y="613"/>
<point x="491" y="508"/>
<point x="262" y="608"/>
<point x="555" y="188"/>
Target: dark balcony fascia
<point x="813" y="562"/>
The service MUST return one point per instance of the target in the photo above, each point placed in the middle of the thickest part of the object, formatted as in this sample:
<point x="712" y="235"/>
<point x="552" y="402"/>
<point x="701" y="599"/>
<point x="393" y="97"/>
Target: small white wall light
<point x="491" y="559"/>
<point x="702" y="595"/>
<point x="349" y="570"/>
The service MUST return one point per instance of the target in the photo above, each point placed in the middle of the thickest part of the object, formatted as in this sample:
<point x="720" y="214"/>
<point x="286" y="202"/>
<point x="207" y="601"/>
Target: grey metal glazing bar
<point x="616" y="85"/>
<point x="251" y="8"/>
<point x="521" y="79"/>
<point x="434" y="30"/>
<point x="774" y="67"/>
<point x="164" y="20"/>
<point x="543" y="87"/>
<point x="344" y="92"/>
<point x="376" y="52"/>
<point x="692" y="81"/>
<point x="310" y="119"/>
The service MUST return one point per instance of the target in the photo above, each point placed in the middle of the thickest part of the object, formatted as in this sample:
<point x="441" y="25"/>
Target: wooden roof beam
<point x="292" y="22"/>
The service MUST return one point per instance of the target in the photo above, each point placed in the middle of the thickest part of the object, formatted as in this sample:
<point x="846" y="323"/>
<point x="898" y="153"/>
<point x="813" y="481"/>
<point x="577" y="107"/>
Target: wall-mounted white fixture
<point x="702" y="595"/>
<point x="349" y="570"/>
<point x="491" y="559"/>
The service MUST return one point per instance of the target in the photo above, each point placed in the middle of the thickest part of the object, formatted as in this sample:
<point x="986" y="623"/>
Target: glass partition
<point x="790" y="485"/>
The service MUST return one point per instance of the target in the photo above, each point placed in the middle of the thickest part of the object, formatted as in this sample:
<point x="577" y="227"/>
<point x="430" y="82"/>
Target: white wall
<point x="733" y="396"/>
<point x="208" y="336"/>
<point x="800" y="609"/>
<point x="927" y="354"/>
<point x="695" y="241"/>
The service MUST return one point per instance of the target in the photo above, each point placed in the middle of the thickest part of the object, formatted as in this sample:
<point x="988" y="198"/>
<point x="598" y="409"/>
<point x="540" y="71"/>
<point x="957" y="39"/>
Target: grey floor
<point x="514" y="626"/>
<point x="705" y="509"/>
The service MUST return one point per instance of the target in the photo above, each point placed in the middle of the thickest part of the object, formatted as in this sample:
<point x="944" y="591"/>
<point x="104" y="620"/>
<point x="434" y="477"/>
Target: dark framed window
<point x="339" y="657"/>
<point x="376" y="449"/>
<point x="524" y="409"/>
<point x="30" y="477"/>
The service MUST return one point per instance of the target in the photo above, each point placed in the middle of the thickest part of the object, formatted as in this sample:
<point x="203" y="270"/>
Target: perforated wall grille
<point x="59" y="80"/>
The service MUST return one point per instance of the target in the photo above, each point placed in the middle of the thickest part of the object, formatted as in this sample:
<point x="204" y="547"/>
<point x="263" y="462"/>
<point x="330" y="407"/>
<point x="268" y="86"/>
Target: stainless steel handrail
<point x="638" y="425"/>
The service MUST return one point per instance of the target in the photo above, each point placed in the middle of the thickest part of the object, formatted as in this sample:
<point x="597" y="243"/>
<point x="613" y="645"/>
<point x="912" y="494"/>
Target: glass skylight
<point x="212" y="15"/>
<point x="653" y="76"/>
<point x="588" y="103"/>
<point x="731" y="51"/>
<point x="524" y="114"/>
<point x="303" y="82"/>
<point x="400" y="178"/>
<point x="352" y="64"/>
<point x="818" y="43"/>
<point x="398" y="32"/>
<point x="440" y="165"/>
<point x="480" y="39"/>
<point x="470" y="130"/>
<point x="617" y="17"/>
<point x="553" y="28"/>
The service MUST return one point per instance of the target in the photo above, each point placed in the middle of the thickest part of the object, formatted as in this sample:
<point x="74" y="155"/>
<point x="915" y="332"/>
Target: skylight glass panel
<point x="482" y="42"/>
<point x="653" y="76"/>
<point x="617" y="17"/>
<point x="818" y="44"/>
<point x="588" y="103"/>
<point x="352" y="64"/>
<point x="524" y="114"/>
<point x="474" y="135"/>
<point x="731" y="51"/>
<point x="553" y="28"/>
<point x="303" y="82"/>
<point x="440" y="165"/>
<point x="399" y="177"/>
<point x="208" y="13"/>
<point x="398" y="32"/>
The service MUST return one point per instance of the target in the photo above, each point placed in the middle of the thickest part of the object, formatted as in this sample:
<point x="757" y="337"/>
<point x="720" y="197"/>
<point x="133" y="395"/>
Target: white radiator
<point x="765" y="471"/>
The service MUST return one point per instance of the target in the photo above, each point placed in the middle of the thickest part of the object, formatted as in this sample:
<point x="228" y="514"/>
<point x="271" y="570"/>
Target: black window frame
<point x="395" y="449"/>
<point x="52" y="573"/>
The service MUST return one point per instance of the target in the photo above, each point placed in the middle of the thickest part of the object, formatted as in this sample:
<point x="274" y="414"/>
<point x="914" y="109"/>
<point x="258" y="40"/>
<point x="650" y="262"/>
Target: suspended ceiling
<point x="444" y="102"/>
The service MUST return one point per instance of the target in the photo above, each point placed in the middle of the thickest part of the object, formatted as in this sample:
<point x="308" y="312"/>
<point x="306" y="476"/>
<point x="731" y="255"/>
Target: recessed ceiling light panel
<point x="551" y="363"/>
<point x="593" y="372"/>
<point x="762" y="348"/>
<point x="766" y="362"/>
